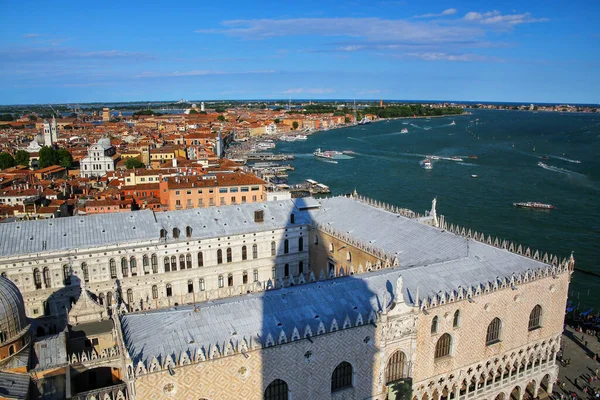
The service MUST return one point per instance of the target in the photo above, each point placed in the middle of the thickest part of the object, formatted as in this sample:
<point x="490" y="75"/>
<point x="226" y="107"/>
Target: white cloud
<point x="445" y="13"/>
<point x="497" y="18"/>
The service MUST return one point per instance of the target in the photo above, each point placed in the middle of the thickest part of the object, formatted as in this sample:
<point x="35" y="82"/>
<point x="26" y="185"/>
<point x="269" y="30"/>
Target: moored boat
<point x="534" y="204"/>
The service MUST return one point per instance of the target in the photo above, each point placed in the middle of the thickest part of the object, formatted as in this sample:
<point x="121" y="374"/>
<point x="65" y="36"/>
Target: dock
<point x="268" y="157"/>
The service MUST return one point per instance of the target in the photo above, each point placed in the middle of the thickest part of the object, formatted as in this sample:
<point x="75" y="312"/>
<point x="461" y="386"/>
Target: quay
<point x="268" y="157"/>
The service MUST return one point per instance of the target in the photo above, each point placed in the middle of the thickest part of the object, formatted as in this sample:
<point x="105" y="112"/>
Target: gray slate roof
<point x="14" y="386"/>
<point x="80" y="232"/>
<point x="50" y="351"/>
<point x="431" y="260"/>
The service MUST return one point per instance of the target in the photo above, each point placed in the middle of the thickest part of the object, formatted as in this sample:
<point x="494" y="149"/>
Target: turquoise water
<point x="508" y="145"/>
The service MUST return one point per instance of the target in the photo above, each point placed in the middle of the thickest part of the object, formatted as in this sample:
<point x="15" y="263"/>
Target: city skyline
<point x="503" y="52"/>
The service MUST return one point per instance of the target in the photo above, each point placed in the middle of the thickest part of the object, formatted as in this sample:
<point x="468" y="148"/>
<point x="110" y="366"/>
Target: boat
<point x="473" y="176"/>
<point x="541" y="164"/>
<point x="434" y="157"/>
<point x="534" y="204"/>
<point x="426" y="163"/>
<point x="301" y="137"/>
<point x="364" y="121"/>
<point x="473" y="157"/>
<point x="545" y="157"/>
<point x="452" y="123"/>
<point x="455" y="158"/>
<point x="404" y="130"/>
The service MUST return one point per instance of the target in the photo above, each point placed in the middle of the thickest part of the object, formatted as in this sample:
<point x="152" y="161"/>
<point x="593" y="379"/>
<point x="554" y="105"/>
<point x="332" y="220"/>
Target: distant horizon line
<point x="285" y="100"/>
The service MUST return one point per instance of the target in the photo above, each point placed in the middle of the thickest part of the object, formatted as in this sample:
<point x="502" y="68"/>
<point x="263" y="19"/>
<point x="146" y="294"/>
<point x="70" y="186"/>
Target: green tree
<point x="6" y="161"/>
<point x="32" y="118"/>
<point x="295" y="125"/>
<point x="347" y="120"/>
<point x="277" y="120"/>
<point x="6" y="117"/>
<point x="193" y="111"/>
<point x="221" y="118"/>
<point x="48" y="157"/>
<point x="65" y="158"/>
<point x="131" y="163"/>
<point x="22" y="157"/>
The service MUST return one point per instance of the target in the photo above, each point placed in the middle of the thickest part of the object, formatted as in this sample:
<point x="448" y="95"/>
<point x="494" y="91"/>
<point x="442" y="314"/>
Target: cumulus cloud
<point x="446" y="12"/>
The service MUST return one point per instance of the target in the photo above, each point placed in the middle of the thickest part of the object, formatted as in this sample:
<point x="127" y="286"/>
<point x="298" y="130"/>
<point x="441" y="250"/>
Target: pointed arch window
<point x="434" y="325"/>
<point x="113" y="269"/>
<point x="86" y="274"/>
<point x="146" y="264"/>
<point x="273" y="249"/>
<point x="173" y="263"/>
<point x="244" y="253"/>
<point x="286" y="246"/>
<point x="37" y="278"/>
<point x="396" y="367"/>
<point x="188" y="261"/>
<point x="494" y="331"/>
<point x="220" y="256"/>
<point x="154" y="261"/>
<point x="67" y="274"/>
<point x="535" y="318"/>
<point x="124" y="267"/>
<point x="190" y="286"/>
<point x="181" y="262"/>
<point x="229" y="255"/>
<point x="47" y="279"/>
<point x="277" y="390"/>
<point x="200" y="259"/>
<point x="155" y="292"/>
<point x="254" y="251"/>
<point x="443" y="346"/>
<point x="456" y="320"/>
<point x="301" y="244"/>
<point x="167" y="265"/>
<point x="341" y="378"/>
<point x="133" y="265"/>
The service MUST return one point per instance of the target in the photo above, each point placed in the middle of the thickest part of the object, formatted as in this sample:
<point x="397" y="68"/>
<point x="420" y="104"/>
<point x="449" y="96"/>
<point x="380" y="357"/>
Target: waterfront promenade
<point x="575" y="377"/>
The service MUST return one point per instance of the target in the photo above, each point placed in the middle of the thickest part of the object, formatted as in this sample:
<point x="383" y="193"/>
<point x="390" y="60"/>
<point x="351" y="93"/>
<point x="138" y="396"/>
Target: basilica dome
<point x="12" y="311"/>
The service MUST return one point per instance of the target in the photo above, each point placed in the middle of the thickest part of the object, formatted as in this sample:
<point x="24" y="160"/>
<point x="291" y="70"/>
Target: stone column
<point x="536" y="387"/>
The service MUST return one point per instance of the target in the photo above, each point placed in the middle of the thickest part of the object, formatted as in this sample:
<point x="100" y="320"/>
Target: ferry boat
<point x="404" y="130"/>
<point x="534" y="204"/>
<point x="426" y="163"/>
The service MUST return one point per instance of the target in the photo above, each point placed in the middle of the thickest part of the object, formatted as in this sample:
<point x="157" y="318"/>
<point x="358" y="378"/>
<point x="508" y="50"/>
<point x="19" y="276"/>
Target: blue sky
<point x="70" y="52"/>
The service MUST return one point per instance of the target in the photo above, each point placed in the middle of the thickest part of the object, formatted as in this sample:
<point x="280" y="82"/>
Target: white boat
<point x="434" y="157"/>
<point x="404" y="130"/>
<point x="301" y="137"/>
<point x="473" y="176"/>
<point x="452" y="123"/>
<point x="426" y="163"/>
<point x="455" y="158"/>
<point x="364" y="121"/>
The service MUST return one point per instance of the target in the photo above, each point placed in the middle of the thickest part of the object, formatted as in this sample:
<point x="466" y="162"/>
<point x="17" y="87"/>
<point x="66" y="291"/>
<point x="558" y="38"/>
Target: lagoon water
<point x="509" y="145"/>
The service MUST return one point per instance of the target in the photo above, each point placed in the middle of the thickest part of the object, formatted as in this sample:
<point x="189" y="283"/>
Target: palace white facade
<point x="291" y="299"/>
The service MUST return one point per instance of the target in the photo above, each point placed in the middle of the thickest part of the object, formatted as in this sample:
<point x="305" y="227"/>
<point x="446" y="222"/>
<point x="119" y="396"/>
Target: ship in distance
<point x="534" y="204"/>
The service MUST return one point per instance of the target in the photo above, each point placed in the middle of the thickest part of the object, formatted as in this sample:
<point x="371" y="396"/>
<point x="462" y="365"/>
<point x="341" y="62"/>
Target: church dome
<point x="12" y="311"/>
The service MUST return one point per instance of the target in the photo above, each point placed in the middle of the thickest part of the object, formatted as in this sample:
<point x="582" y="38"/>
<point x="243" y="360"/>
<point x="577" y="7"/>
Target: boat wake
<point x="416" y="126"/>
<point x="357" y="139"/>
<point x="566" y="159"/>
<point x="468" y="164"/>
<point x="559" y="170"/>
